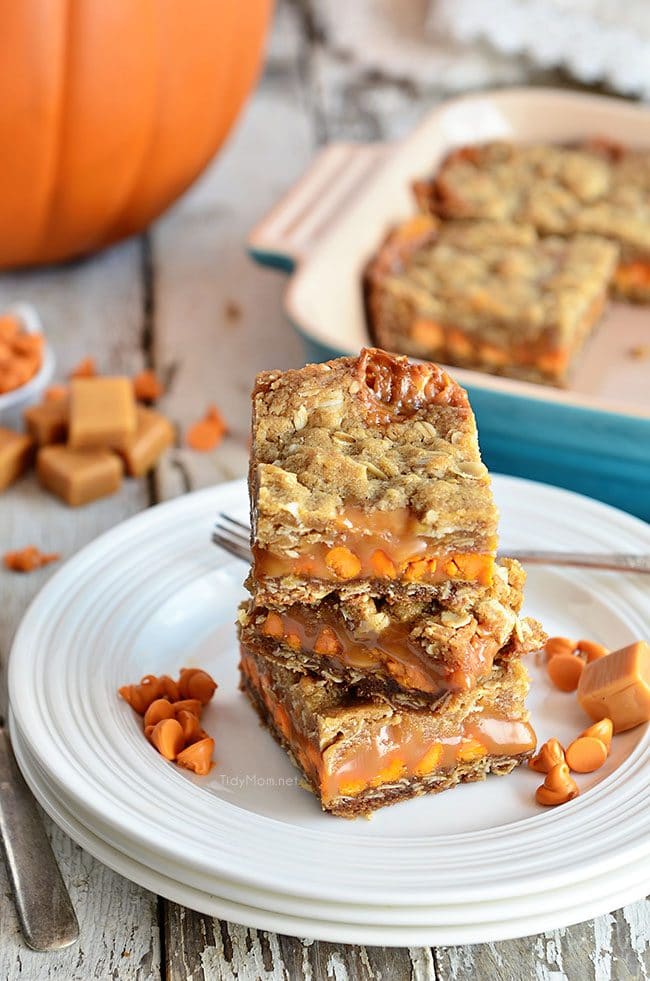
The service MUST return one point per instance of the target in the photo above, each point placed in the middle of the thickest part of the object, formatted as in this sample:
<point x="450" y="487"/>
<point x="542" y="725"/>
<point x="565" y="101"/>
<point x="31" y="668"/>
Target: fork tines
<point x="233" y="536"/>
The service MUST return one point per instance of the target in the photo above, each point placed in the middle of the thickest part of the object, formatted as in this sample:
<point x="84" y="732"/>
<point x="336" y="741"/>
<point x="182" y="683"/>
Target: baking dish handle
<point x="309" y="208"/>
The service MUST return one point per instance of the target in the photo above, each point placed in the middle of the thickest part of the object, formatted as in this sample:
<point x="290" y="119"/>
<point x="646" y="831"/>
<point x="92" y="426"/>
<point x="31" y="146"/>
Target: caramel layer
<point x="631" y="275"/>
<point x="377" y="545"/>
<point x="398" y="750"/>
<point x="391" y="652"/>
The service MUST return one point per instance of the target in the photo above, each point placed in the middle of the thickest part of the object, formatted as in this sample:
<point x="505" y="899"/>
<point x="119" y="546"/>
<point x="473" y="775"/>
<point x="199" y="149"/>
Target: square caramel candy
<point x="78" y="476"/>
<point x="153" y="435"/>
<point x="617" y="687"/>
<point x="15" y="455"/>
<point x="48" y="422"/>
<point x="102" y="413"/>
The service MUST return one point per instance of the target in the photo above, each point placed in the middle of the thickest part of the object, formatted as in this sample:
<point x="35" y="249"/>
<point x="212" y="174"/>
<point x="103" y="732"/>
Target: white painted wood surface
<point x="187" y="300"/>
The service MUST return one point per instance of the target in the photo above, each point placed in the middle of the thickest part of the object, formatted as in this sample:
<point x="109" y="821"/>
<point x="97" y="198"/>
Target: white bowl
<point x="13" y="404"/>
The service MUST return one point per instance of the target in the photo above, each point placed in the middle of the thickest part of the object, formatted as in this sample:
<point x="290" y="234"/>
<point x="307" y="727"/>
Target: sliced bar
<point x="486" y="295"/>
<point x="366" y="471"/>
<point x="409" y="651"/>
<point x="598" y="187"/>
<point x="359" y="755"/>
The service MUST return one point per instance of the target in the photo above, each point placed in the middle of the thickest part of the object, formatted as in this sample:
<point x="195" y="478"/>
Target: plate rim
<point x="186" y="503"/>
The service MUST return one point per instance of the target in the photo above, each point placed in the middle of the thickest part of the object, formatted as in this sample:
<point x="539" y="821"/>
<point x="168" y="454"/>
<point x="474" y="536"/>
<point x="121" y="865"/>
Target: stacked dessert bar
<point x="382" y="640"/>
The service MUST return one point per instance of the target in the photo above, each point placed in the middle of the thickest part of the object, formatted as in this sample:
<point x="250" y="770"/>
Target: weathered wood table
<point x="186" y="300"/>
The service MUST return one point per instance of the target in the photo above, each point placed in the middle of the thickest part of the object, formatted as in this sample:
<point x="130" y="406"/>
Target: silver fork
<point x="233" y="536"/>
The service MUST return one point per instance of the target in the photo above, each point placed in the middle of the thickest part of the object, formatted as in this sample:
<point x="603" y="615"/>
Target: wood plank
<point x="88" y="308"/>
<point x="207" y="949"/>
<point x="613" y="946"/>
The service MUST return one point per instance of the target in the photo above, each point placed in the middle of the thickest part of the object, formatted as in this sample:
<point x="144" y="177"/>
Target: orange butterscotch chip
<point x="350" y="788"/>
<point x="159" y="709"/>
<point x="197" y="757"/>
<point x="565" y="670"/>
<point x="429" y="333"/>
<point x="430" y="761"/>
<point x="190" y="725"/>
<point x="591" y="650"/>
<point x="55" y="393"/>
<point x="28" y="559"/>
<point x="272" y="626"/>
<point x="327" y="642"/>
<point x="470" y="750"/>
<point x="195" y="683"/>
<point x="558" y="788"/>
<point x="549" y="756"/>
<point x="208" y="432"/>
<point x="395" y="770"/>
<point x="603" y="730"/>
<point x="559" y="645"/>
<point x="586" y="754"/>
<point x="167" y="737"/>
<point x="382" y="564"/>
<point x="147" y="387"/>
<point x="617" y="687"/>
<point x="343" y="562"/>
<point x="86" y="368"/>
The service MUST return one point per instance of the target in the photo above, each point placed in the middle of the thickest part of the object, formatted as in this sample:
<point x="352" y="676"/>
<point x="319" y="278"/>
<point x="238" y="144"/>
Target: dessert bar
<point x="358" y="755"/>
<point x="488" y="295"/>
<point x="366" y="471"/>
<point x="409" y="651"/>
<point x="597" y="187"/>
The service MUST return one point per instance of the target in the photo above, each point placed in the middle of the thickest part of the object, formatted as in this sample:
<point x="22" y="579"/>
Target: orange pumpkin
<point x="109" y="109"/>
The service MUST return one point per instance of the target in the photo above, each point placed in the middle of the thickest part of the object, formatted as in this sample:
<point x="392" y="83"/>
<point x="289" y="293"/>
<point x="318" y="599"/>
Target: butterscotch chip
<point x="102" y="413"/>
<point x="48" y="423"/>
<point x="78" y="476"/>
<point x="153" y="435"/>
<point x="15" y="455"/>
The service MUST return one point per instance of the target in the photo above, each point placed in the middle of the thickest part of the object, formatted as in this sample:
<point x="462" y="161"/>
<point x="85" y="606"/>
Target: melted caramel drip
<point x="400" y="749"/>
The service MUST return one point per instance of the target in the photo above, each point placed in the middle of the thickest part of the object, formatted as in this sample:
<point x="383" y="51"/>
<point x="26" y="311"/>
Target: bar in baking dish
<point x="365" y="473"/>
<point x="358" y="755"/>
<point x="494" y="296"/>
<point x="597" y="187"/>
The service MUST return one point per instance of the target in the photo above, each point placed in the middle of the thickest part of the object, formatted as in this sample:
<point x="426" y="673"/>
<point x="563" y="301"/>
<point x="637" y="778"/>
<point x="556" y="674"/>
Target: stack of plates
<point x="247" y="843"/>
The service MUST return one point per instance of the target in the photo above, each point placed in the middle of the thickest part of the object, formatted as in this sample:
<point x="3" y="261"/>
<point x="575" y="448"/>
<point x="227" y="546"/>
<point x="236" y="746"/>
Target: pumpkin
<point x="109" y="109"/>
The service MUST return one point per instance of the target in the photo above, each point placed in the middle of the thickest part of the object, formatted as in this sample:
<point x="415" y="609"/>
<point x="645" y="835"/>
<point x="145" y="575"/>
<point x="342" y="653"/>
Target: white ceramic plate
<point x="153" y="595"/>
<point x="569" y="906"/>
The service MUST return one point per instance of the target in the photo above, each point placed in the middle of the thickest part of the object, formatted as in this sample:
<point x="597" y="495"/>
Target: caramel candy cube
<point x="78" y="476"/>
<point x="153" y="435"/>
<point x="48" y="422"/>
<point x="102" y="413"/>
<point x="617" y="687"/>
<point x="15" y="455"/>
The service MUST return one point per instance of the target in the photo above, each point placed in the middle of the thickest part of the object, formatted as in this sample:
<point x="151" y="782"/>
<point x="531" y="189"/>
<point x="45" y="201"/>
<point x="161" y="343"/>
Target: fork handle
<point x="588" y="560"/>
<point x="45" y="912"/>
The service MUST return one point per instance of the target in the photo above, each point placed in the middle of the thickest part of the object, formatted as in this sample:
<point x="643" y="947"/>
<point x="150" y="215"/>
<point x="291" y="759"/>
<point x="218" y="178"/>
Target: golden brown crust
<point x="373" y="433"/>
<point x="489" y="295"/>
<point x="597" y="187"/>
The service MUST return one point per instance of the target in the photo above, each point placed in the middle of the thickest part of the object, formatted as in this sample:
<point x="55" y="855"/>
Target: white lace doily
<point x="398" y="37"/>
<point x="596" y="40"/>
